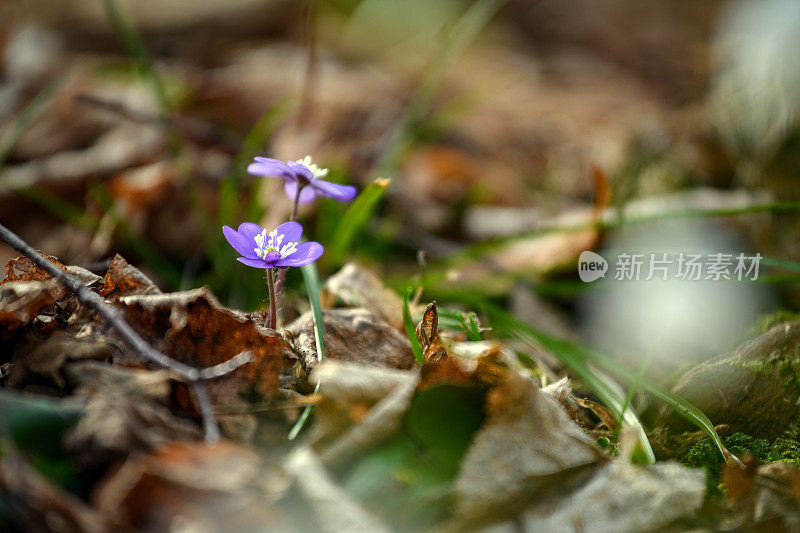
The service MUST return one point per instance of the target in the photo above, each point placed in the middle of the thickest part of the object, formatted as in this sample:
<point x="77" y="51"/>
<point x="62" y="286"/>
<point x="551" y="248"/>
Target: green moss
<point x="705" y="455"/>
<point x="766" y="322"/>
<point x="783" y="363"/>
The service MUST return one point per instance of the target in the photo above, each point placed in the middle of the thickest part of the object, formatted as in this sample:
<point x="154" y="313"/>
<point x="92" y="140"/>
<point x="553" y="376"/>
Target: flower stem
<point x="296" y="201"/>
<point x="272" y="317"/>
<point x="282" y="273"/>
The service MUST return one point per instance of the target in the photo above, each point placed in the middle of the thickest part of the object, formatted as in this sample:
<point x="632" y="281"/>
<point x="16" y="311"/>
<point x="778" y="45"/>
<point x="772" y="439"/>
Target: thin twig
<point x="191" y="375"/>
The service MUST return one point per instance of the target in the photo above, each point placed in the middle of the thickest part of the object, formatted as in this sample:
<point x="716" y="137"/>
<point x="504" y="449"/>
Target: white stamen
<point x="273" y="242"/>
<point x="316" y="171"/>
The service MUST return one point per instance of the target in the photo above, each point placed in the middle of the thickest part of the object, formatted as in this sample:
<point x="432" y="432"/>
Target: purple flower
<point x="280" y="248"/>
<point x="304" y="174"/>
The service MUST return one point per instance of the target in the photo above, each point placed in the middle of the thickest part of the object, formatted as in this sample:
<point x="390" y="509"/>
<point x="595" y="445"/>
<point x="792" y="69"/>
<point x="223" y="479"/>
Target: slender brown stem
<point x="194" y="377"/>
<point x="273" y="310"/>
<point x="282" y="273"/>
<point x="300" y="186"/>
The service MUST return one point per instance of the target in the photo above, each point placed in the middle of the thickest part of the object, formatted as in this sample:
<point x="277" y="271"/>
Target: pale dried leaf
<point x="528" y="444"/>
<point x="360" y="287"/>
<point x="353" y="335"/>
<point x="333" y="509"/>
<point x="360" y="407"/>
<point x="22" y="301"/>
<point x="623" y="498"/>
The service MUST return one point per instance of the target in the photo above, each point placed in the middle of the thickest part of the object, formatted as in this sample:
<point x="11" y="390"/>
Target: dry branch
<point x="194" y="377"/>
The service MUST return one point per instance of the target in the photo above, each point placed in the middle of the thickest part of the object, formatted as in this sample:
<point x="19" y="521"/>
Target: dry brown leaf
<point x="360" y="287"/>
<point x="764" y="497"/>
<point x="44" y="363"/>
<point x="528" y="444"/>
<point x="353" y="335"/>
<point x="123" y="279"/>
<point x="360" y="407"/>
<point x="605" y="416"/>
<point x="22" y="301"/>
<point x="738" y="479"/>
<point x="125" y="411"/>
<point x="623" y="498"/>
<point x="24" y="269"/>
<point x="428" y="334"/>
<point x="192" y="327"/>
<point x="200" y="487"/>
<point x="332" y="508"/>
<point x="445" y="370"/>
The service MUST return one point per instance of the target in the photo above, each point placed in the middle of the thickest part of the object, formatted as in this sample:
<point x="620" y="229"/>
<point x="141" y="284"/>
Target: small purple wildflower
<point x="279" y="248"/>
<point x="304" y="174"/>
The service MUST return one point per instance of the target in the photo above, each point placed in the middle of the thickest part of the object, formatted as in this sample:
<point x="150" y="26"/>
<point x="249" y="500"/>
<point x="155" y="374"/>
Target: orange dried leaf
<point x="122" y="279"/>
<point x="24" y="269"/>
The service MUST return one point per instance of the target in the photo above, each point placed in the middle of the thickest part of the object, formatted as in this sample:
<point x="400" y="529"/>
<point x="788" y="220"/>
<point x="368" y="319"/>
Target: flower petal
<point x="270" y="168"/>
<point x="300" y="170"/>
<point x="248" y="230"/>
<point x="306" y="253"/>
<point x="306" y="195"/>
<point x="292" y="231"/>
<point x="268" y="160"/>
<point x="239" y="242"/>
<point x="258" y="263"/>
<point x="343" y="193"/>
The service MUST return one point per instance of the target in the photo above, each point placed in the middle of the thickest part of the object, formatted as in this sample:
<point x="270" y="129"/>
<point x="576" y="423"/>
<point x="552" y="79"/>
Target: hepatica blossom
<point x="279" y="248"/>
<point x="302" y="175"/>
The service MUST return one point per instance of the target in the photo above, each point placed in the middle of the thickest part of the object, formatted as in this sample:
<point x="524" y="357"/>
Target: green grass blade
<point x="313" y="287"/>
<point x="355" y="218"/>
<point x="410" y="330"/>
<point x="792" y="266"/>
<point x="631" y="391"/>
<point x="135" y="49"/>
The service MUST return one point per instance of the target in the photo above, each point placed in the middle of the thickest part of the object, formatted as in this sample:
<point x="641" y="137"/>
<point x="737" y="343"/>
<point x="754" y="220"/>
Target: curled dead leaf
<point x="21" y="302"/>
<point x="428" y="334"/>
<point x="123" y="279"/>
<point x="528" y="444"/>
<point x="353" y="335"/>
<point x="194" y="328"/>
<point x="24" y="269"/>
<point x="360" y="287"/>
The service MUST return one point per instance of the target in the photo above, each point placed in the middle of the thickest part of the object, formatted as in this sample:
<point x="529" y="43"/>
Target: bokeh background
<point x="515" y="135"/>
